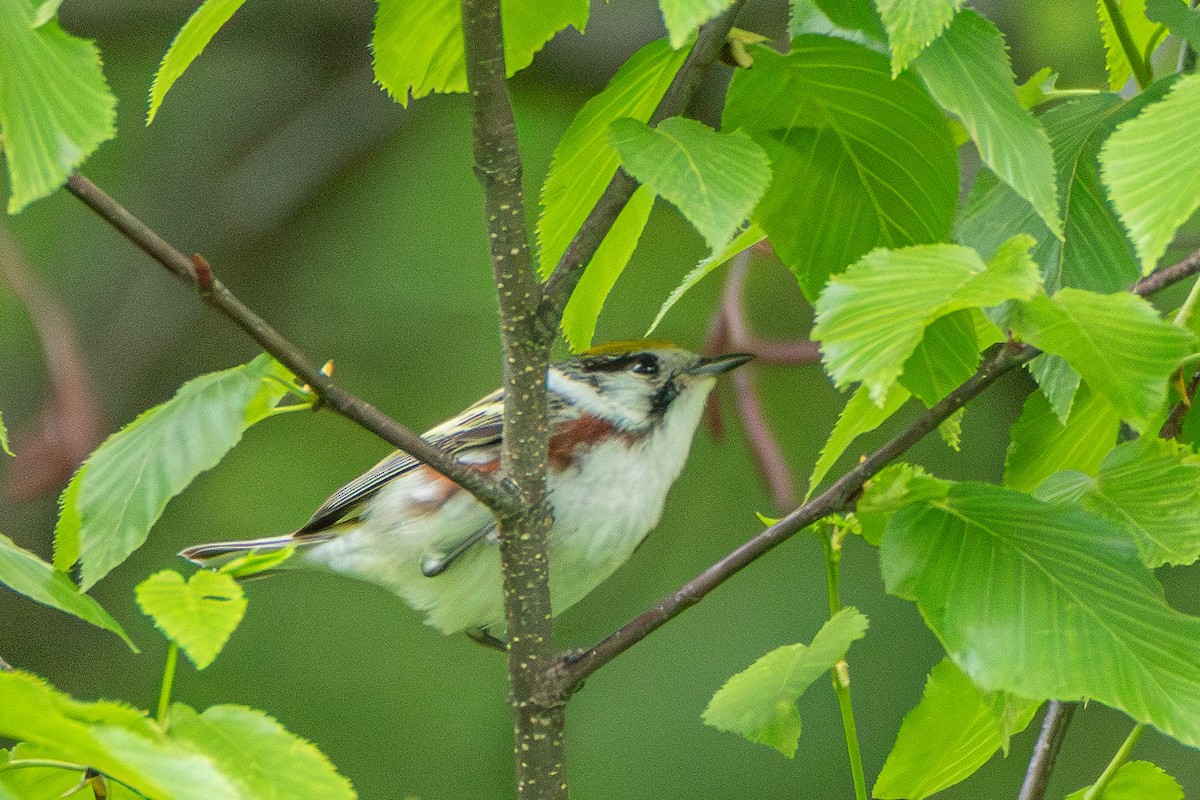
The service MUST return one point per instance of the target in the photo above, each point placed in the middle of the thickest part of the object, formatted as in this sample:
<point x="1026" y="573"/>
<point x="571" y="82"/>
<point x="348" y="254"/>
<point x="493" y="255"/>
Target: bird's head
<point x="637" y="385"/>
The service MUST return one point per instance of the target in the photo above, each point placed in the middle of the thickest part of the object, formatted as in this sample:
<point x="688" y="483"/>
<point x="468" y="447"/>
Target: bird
<point x="622" y="417"/>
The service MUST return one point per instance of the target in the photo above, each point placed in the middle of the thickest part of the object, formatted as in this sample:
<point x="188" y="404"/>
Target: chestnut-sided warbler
<point x="622" y="417"/>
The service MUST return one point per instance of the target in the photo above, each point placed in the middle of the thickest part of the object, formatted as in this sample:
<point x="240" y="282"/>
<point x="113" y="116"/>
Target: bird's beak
<point x="718" y="364"/>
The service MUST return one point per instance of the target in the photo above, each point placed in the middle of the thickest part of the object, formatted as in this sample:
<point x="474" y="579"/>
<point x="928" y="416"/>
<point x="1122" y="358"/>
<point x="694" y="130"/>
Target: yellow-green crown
<point x="629" y="346"/>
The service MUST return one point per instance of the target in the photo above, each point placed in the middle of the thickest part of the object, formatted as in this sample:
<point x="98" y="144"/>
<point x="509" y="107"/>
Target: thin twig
<point x="196" y="272"/>
<point x="1166" y="276"/>
<point x="709" y="43"/>
<point x="1045" y="751"/>
<point x="570" y="670"/>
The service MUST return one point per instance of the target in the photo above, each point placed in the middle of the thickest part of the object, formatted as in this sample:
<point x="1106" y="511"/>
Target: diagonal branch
<point x="709" y="43"/>
<point x="839" y="497"/>
<point x="196" y="272"/>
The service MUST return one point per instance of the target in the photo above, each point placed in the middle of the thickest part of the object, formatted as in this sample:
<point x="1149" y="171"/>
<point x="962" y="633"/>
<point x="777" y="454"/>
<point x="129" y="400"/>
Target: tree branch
<point x="841" y="496"/>
<point x="196" y="271"/>
<point x="538" y="726"/>
<point x="709" y="43"/>
<point x="1157" y="281"/>
<point x="1045" y="752"/>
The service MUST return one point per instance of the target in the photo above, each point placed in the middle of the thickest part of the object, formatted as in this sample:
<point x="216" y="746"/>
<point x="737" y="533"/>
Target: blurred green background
<point x="355" y="227"/>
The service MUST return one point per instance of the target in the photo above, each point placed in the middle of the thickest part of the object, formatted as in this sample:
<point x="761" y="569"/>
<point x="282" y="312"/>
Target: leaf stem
<point x="1118" y="760"/>
<point x="49" y="763"/>
<point x="1155" y="39"/>
<point x="832" y="545"/>
<point x="1141" y="69"/>
<point x="168" y="681"/>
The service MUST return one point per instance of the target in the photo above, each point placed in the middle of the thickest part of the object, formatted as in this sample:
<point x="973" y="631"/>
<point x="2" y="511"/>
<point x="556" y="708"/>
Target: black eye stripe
<point x="642" y="363"/>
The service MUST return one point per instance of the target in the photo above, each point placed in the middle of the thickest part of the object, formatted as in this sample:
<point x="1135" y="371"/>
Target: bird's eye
<point x="645" y="365"/>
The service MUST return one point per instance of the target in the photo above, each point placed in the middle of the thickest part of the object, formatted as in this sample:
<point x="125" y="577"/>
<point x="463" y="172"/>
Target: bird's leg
<point x="432" y="566"/>
<point x="481" y="636"/>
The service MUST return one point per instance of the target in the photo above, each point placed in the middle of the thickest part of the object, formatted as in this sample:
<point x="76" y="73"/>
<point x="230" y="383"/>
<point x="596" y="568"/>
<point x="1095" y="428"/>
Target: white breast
<point x="604" y="506"/>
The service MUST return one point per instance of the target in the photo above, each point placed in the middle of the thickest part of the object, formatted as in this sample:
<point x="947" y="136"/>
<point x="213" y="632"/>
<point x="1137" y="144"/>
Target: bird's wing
<point x="473" y="436"/>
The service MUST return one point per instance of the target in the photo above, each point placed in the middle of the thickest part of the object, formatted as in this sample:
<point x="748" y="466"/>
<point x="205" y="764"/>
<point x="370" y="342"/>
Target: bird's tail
<point x="220" y="553"/>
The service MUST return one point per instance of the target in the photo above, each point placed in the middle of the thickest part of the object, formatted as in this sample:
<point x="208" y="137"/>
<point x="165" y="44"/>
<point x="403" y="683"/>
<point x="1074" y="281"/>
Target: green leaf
<point x="1176" y="15"/>
<point x="913" y="24"/>
<point x="895" y="487"/>
<point x="123" y="487"/>
<point x="1141" y="29"/>
<point x="263" y="759"/>
<point x="418" y="46"/>
<point x="256" y="563"/>
<point x="190" y="42"/>
<point x="844" y="181"/>
<point x="25" y="573"/>
<point x="806" y="16"/>
<point x="113" y="739"/>
<point x="968" y="73"/>
<point x="1042" y="444"/>
<point x="714" y="179"/>
<point x="760" y="702"/>
<point x="611" y="257"/>
<point x="683" y="17"/>
<point x="860" y="415"/>
<point x="1116" y="342"/>
<point x="946" y="356"/>
<point x="584" y="162"/>
<point x="1095" y="254"/>
<point x="950" y="429"/>
<point x="4" y="437"/>
<point x="871" y="318"/>
<point x="1151" y="165"/>
<point x="199" y="615"/>
<point x="1136" y="780"/>
<point x="1148" y="487"/>
<point x="1042" y="87"/>
<point x="46" y="11"/>
<point x="55" y="106"/>
<point x="1048" y="602"/>
<point x="1057" y="381"/>
<point x="743" y="241"/>
<point x="950" y="734"/>
<point x="848" y="15"/>
<point x="38" y="783"/>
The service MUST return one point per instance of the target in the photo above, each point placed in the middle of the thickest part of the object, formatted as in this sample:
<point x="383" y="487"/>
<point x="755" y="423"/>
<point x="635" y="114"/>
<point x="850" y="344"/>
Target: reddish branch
<point x="730" y="331"/>
<point x="69" y="425"/>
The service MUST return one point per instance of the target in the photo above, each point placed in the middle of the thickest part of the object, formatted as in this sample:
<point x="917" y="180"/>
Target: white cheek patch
<point x="580" y="393"/>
